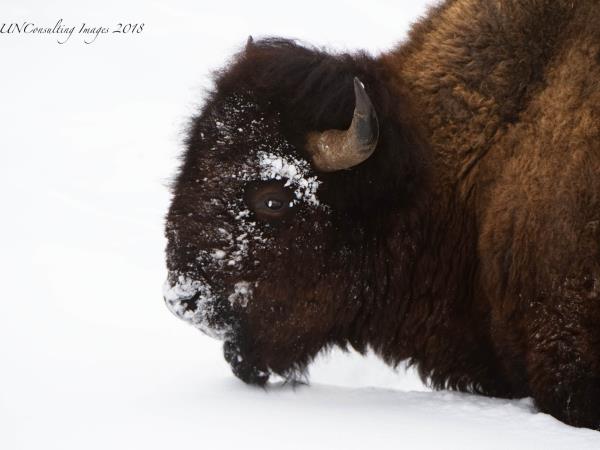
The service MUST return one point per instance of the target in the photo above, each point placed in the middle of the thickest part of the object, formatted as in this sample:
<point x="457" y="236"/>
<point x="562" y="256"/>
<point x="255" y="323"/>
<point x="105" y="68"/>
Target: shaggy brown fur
<point x="468" y="244"/>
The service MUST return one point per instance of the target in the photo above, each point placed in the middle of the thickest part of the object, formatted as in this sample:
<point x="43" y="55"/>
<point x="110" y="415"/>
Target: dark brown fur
<point x="468" y="244"/>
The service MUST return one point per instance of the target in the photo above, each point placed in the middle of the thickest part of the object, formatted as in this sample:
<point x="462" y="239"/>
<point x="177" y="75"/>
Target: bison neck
<point x="419" y="299"/>
<point x="466" y="82"/>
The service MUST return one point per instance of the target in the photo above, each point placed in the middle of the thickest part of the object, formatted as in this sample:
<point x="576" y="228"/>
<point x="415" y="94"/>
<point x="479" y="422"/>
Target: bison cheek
<point x="285" y="333"/>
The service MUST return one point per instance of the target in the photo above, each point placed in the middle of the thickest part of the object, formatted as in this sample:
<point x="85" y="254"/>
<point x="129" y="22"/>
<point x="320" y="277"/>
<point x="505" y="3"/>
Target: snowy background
<point x="90" y="358"/>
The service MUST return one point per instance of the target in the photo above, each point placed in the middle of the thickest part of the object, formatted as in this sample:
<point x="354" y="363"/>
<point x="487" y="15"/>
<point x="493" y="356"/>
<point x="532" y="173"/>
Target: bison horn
<point x="333" y="150"/>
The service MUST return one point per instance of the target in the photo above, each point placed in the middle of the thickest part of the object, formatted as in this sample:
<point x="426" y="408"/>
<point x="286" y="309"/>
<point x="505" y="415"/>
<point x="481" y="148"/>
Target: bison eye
<point x="274" y="204"/>
<point x="269" y="200"/>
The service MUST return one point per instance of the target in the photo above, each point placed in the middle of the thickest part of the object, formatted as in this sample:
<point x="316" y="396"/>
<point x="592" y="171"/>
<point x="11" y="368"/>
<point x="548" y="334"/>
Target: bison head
<point x="287" y="170"/>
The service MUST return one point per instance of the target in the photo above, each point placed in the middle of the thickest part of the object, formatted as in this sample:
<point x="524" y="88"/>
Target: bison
<point x="438" y="203"/>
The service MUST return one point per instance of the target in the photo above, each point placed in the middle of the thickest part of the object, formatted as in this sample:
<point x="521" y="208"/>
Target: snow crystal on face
<point x="274" y="152"/>
<point x="185" y="290"/>
<point x="226" y="234"/>
<point x="242" y="293"/>
<point x="243" y="213"/>
<point x="218" y="254"/>
<point x="295" y="170"/>
<point x="246" y="231"/>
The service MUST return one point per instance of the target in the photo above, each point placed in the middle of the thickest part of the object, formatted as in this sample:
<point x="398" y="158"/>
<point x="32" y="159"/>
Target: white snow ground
<point x="90" y="356"/>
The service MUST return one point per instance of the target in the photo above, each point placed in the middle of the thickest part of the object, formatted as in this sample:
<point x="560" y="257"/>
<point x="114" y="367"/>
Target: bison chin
<point x="253" y="366"/>
<point x="242" y="367"/>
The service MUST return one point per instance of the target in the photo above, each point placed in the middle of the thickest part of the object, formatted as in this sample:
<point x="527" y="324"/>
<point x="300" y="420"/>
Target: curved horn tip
<point x="363" y="102"/>
<point x="249" y="42"/>
<point x="359" y="89"/>
<point x="334" y="150"/>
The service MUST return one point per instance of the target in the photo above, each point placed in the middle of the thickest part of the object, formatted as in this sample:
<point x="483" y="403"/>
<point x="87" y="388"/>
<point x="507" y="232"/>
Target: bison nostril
<point x="191" y="304"/>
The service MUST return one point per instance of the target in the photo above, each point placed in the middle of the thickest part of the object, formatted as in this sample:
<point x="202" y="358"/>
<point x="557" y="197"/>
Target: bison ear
<point x="249" y="42"/>
<point x="333" y="150"/>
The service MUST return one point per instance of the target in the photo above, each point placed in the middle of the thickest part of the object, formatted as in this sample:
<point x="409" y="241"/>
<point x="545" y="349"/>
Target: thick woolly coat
<point x="468" y="244"/>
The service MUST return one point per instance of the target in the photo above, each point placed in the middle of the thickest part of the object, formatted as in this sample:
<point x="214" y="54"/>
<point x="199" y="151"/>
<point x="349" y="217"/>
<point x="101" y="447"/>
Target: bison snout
<point x="195" y="302"/>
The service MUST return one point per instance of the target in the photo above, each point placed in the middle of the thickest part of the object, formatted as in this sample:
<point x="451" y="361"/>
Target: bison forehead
<point x="241" y="124"/>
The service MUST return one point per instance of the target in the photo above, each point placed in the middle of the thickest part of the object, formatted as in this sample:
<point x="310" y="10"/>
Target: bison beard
<point x="439" y="204"/>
